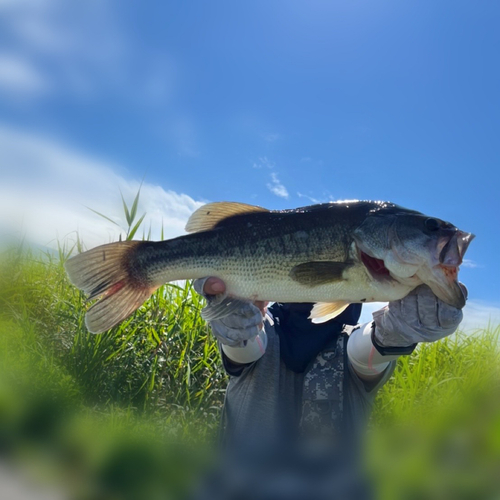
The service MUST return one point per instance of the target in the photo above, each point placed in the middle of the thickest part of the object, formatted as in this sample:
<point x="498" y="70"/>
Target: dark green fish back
<point x="315" y="233"/>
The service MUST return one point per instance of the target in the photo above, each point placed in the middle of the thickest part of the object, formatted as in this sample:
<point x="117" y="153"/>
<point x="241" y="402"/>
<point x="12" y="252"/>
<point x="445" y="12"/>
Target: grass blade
<point x="133" y="210"/>
<point x="135" y="228"/>
<point x="125" y="209"/>
<point x="103" y="216"/>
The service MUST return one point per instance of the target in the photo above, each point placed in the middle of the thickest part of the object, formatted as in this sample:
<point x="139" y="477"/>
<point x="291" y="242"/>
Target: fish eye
<point x="432" y="224"/>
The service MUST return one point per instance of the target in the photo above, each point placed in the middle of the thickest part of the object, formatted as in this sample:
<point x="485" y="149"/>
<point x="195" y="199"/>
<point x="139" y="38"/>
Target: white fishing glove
<point x="234" y="330"/>
<point x="418" y="317"/>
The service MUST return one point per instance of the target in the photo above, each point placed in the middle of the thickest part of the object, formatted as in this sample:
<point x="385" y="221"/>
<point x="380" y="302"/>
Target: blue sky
<point x="275" y="103"/>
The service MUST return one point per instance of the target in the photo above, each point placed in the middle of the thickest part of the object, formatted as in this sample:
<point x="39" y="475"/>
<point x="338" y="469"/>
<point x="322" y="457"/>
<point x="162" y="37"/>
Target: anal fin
<point x="325" y="311"/>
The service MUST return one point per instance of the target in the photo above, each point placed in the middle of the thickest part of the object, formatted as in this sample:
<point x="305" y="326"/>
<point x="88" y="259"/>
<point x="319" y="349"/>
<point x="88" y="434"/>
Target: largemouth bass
<point x="332" y="254"/>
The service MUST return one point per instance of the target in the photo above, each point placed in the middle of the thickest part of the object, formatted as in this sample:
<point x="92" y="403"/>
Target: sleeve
<point x="368" y="389"/>
<point x="363" y="353"/>
<point x="236" y="359"/>
<point x="230" y="367"/>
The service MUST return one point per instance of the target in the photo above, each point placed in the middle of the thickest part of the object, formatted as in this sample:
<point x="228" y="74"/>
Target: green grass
<point x="141" y="393"/>
<point x="162" y="359"/>
<point x="436" y="428"/>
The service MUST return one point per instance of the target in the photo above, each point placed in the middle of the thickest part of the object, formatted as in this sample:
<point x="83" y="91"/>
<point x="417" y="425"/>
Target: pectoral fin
<point x="318" y="273"/>
<point x="325" y="311"/>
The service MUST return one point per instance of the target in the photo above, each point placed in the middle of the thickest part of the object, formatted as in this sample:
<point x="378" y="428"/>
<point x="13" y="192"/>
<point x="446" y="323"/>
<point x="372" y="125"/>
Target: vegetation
<point x="111" y="416"/>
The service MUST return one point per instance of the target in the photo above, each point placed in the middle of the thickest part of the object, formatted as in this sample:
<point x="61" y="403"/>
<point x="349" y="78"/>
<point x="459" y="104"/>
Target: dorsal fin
<point x="209" y="215"/>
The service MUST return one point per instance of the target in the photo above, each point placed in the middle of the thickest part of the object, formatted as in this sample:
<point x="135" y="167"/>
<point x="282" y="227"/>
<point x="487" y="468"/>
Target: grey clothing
<point x="264" y="400"/>
<point x="264" y="454"/>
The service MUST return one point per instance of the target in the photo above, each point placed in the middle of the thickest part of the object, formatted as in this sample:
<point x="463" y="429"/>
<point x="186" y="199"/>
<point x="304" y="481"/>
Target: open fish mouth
<point x="454" y="249"/>
<point x="376" y="267"/>
<point x="440" y="273"/>
<point x="443" y="278"/>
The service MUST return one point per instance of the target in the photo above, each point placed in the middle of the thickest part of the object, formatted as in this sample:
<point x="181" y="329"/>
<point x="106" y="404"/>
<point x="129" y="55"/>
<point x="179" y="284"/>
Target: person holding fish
<point x="303" y="372"/>
<point x="278" y="352"/>
<point x="292" y="380"/>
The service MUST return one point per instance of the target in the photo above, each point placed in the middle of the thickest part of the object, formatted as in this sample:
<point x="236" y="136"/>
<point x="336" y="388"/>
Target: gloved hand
<point x="418" y="317"/>
<point x="243" y="324"/>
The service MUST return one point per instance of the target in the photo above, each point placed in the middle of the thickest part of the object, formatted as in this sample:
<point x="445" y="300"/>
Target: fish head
<point x="412" y="248"/>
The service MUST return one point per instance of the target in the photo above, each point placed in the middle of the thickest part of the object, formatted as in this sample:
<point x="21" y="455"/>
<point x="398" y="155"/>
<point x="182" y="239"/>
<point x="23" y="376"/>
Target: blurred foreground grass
<point x="111" y="415"/>
<point x="120" y="415"/>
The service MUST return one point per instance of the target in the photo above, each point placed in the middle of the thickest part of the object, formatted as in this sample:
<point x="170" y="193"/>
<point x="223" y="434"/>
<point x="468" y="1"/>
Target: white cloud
<point x="308" y="159"/>
<point x="55" y="27"/>
<point x="45" y="188"/>
<point x="325" y="197"/>
<point x="477" y="315"/>
<point x="272" y="137"/>
<point x="276" y="187"/>
<point x="264" y="162"/>
<point x="368" y="309"/>
<point x="19" y="76"/>
<point x="75" y="43"/>
<point x="310" y="198"/>
<point x="84" y="50"/>
<point x="470" y="264"/>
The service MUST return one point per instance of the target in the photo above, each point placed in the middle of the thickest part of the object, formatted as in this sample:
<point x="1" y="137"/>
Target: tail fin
<point x="106" y="273"/>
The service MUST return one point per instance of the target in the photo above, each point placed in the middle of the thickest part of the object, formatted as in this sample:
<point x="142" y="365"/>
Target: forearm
<point x="252" y="349"/>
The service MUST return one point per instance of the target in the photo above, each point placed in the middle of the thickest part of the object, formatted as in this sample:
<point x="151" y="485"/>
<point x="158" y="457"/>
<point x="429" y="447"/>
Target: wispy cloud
<point x="477" y="315"/>
<point x="264" y="162"/>
<point x="310" y="198"/>
<point x="83" y="49"/>
<point x="19" y="76"/>
<point x="308" y="159"/>
<point x="368" y="309"/>
<point x="470" y="264"/>
<point x="325" y="198"/>
<point x="57" y="37"/>
<point x="272" y="137"/>
<point x="46" y="187"/>
<point x="276" y="187"/>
